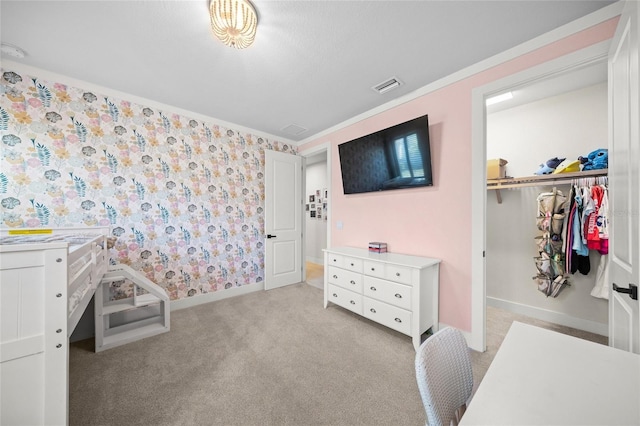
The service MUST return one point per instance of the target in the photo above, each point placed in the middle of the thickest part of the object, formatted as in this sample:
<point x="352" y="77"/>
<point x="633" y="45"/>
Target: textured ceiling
<point x="313" y="63"/>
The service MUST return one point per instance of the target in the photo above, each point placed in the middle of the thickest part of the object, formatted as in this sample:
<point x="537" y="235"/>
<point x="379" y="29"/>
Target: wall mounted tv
<point x="393" y="158"/>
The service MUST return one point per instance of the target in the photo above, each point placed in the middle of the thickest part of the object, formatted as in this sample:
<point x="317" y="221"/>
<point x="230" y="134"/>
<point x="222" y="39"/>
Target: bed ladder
<point x="123" y="321"/>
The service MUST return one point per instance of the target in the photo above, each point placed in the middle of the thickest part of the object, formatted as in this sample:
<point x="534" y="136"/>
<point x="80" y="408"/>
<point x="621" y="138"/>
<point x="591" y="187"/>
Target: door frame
<point x="573" y="61"/>
<point x="317" y="149"/>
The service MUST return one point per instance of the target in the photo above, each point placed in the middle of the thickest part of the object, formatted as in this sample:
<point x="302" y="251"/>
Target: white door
<point x="283" y="219"/>
<point x="624" y="179"/>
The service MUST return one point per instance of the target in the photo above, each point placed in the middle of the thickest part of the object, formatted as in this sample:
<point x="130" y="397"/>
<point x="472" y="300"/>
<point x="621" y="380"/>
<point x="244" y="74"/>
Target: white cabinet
<point x="396" y="290"/>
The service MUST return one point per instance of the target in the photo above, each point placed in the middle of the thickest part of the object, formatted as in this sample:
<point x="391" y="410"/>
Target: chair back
<point x="444" y="376"/>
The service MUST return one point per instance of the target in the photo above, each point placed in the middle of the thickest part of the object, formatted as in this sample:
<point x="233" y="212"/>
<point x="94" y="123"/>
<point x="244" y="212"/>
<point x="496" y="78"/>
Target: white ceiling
<point x="558" y="84"/>
<point x="313" y="63"/>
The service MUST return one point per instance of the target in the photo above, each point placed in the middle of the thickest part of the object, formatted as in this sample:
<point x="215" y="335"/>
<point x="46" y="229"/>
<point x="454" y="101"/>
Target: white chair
<point x="445" y="376"/>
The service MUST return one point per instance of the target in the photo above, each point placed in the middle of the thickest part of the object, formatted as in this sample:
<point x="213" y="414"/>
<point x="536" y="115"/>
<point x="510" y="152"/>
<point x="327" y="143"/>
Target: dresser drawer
<point x="346" y="279"/>
<point x="345" y="298"/>
<point x="352" y="264"/>
<point x="334" y="260"/>
<point x="398" y="274"/>
<point x="374" y="269"/>
<point x="386" y="291"/>
<point x="387" y="315"/>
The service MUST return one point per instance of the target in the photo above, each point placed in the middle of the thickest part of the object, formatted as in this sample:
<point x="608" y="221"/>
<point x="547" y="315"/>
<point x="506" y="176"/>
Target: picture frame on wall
<point x="313" y="213"/>
<point x="312" y="198"/>
<point x="317" y="192"/>
<point x="306" y="207"/>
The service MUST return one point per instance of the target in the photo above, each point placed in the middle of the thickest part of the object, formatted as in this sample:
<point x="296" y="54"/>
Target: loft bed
<point x="86" y="261"/>
<point x="540" y="180"/>
<point x="48" y="278"/>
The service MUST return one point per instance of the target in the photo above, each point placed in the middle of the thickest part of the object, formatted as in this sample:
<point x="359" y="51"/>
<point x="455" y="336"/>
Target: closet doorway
<point x="563" y="117"/>
<point x="317" y="199"/>
<point x="494" y="263"/>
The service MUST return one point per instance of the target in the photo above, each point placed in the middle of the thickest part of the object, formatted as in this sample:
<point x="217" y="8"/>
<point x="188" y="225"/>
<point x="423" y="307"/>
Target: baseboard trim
<point x="316" y="260"/>
<point x="216" y="295"/>
<point x="550" y="316"/>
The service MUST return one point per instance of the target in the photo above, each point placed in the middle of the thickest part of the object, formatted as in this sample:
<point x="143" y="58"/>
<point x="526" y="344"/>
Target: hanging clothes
<point x="601" y="287"/>
<point x="587" y="229"/>
<point x="579" y="256"/>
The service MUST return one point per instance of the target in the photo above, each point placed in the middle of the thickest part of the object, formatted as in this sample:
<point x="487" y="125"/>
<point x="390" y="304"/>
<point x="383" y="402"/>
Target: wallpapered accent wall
<point x="184" y="198"/>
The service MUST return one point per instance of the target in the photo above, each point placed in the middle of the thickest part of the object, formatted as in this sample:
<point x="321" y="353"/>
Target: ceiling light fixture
<point x="500" y="98"/>
<point x="234" y="22"/>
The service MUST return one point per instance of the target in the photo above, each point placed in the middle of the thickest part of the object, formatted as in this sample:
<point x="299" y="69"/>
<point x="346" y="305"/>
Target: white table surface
<point x="541" y="377"/>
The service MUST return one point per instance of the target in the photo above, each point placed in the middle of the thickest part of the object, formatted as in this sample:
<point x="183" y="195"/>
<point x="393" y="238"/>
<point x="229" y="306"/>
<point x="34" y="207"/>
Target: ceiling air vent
<point x="294" y="129"/>
<point x="387" y="85"/>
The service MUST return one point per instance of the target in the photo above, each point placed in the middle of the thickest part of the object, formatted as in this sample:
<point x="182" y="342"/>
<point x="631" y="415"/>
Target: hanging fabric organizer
<point x="550" y="262"/>
<point x="571" y="227"/>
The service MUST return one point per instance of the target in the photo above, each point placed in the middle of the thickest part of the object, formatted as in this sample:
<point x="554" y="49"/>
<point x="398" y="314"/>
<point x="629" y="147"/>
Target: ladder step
<point x="125" y="305"/>
<point x="145" y="299"/>
<point x="108" y="279"/>
<point x="115" y="338"/>
<point x="148" y="313"/>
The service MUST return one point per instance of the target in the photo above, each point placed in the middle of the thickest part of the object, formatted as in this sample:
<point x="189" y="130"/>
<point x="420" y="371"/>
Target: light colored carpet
<point x="267" y="358"/>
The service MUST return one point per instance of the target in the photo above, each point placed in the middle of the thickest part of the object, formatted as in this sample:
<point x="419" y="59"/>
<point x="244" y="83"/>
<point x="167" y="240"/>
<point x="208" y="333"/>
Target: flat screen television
<point x="393" y="158"/>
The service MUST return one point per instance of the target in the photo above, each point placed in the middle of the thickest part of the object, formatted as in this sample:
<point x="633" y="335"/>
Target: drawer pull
<point x="398" y="320"/>
<point x="372" y="288"/>
<point x="335" y="276"/>
<point x="373" y="269"/>
<point x="398" y="295"/>
<point x="372" y="310"/>
<point x="352" y="282"/>
<point x="335" y="260"/>
<point x="397" y="274"/>
<point x="351" y="264"/>
<point x="352" y="302"/>
<point x="335" y="295"/>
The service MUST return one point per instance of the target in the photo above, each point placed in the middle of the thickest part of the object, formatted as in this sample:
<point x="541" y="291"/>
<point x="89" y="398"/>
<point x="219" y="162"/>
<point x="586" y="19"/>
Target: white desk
<point x="540" y="377"/>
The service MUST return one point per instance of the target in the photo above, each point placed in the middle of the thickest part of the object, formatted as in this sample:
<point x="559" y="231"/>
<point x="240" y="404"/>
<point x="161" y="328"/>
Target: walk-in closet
<point x="565" y="118"/>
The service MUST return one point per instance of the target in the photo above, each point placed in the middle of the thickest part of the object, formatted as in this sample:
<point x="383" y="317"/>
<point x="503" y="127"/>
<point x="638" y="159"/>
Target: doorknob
<point x="632" y="291"/>
<point x="271" y="236"/>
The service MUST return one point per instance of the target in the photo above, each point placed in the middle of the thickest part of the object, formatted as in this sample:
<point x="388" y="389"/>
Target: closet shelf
<point x="540" y="180"/>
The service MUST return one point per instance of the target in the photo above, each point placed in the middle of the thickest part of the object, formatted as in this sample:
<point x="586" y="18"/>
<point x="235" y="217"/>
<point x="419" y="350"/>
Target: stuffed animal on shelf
<point x="567" y="166"/>
<point x="596" y="160"/>
<point x="549" y="166"/>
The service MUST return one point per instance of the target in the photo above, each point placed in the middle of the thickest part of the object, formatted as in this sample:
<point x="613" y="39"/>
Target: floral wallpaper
<point x="184" y="198"/>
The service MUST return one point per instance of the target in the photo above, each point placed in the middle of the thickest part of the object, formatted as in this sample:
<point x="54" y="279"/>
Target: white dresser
<point x="396" y="290"/>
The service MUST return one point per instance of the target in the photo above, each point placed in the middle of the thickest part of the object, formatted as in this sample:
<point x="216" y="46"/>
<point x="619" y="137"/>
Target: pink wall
<point x="434" y="221"/>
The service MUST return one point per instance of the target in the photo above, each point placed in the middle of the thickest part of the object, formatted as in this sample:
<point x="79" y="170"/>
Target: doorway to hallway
<point x="315" y="274"/>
